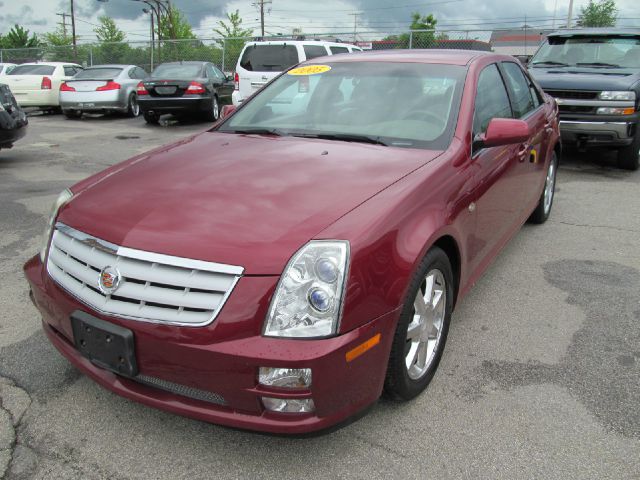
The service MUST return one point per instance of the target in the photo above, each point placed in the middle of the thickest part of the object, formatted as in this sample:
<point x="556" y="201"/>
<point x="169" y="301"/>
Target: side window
<point x="520" y="89"/>
<point x="219" y="74"/>
<point x="141" y="73"/>
<point x="337" y="50"/>
<point x="492" y="100"/>
<point x="313" y="51"/>
<point x="132" y="73"/>
<point x="69" y="71"/>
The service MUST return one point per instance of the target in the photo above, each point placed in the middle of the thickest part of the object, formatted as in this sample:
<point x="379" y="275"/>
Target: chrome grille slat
<point x="174" y="293"/>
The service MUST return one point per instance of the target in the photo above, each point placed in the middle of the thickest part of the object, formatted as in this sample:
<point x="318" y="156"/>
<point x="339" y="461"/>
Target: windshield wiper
<point x="551" y="62"/>
<point x="597" y="64"/>
<point x="257" y="131"/>
<point x="345" y="137"/>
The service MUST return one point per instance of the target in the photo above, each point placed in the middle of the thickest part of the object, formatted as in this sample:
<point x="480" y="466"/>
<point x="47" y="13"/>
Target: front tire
<point x="422" y="329"/>
<point x="151" y="118"/>
<point x="543" y="210"/>
<point x="133" y="108"/>
<point x="629" y="157"/>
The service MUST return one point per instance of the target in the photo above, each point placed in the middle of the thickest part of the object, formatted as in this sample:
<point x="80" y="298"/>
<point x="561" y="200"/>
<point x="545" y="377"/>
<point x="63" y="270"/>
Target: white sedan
<point x="6" y="68"/>
<point x="38" y="84"/>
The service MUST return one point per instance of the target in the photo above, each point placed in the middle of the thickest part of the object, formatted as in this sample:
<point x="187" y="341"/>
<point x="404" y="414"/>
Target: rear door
<point x="224" y="87"/>
<point x="260" y="63"/>
<point x="527" y="105"/>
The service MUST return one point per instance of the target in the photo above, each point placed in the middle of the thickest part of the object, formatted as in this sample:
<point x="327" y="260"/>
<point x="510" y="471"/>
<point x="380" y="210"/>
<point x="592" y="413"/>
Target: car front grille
<point x="153" y="287"/>
<point x="572" y="94"/>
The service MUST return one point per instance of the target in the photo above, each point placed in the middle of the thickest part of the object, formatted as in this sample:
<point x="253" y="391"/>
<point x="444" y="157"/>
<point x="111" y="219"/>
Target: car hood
<point x="571" y="78"/>
<point x="244" y="200"/>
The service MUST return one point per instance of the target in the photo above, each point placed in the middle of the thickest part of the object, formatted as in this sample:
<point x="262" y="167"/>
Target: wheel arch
<point x="450" y="247"/>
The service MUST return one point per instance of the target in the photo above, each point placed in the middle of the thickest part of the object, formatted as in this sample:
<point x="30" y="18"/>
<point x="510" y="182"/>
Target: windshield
<point x="177" y="71"/>
<point x="590" y="51"/>
<point x="98" y="74"/>
<point x="32" y="70"/>
<point x="397" y="104"/>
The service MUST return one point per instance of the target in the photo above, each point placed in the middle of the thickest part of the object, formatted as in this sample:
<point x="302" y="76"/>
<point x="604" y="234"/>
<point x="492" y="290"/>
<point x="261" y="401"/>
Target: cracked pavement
<point x="540" y="377"/>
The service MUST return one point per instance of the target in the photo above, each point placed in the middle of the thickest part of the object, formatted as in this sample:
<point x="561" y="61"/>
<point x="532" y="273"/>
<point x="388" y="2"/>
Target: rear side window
<point x="33" y="70"/>
<point x="269" y="58"/>
<point x="520" y="89"/>
<point x="492" y="100"/>
<point x="337" y="50"/>
<point x="97" y="73"/>
<point x="314" y="51"/>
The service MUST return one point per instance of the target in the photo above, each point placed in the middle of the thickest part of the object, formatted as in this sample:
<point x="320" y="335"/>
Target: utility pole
<point x="355" y="24"/>
<point x="260" y="5"/>
<point x="73" y="32"/>
<point x="570" y="12"/>
<point x="63" y="23"/>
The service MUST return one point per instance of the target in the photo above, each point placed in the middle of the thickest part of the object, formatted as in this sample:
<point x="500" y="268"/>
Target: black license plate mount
<point x="105" y="344"/>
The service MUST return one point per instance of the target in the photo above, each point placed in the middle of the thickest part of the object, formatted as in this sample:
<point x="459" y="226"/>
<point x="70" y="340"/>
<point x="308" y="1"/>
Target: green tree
<point x="174" y="26"/>
<point x="111" y="42"/>
<point x="19" y="37"/>
<point x="59" y="46"/>
<point x="422" y="36"/>
<point x="603" y="13"/>
<point x="233" y="37"/>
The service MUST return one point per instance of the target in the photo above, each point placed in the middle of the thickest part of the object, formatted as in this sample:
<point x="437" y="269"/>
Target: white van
<point x="259" y="62"/>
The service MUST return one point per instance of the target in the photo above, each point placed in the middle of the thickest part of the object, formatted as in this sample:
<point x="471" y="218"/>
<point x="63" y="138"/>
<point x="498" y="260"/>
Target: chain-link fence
<point x="224" y="52"/>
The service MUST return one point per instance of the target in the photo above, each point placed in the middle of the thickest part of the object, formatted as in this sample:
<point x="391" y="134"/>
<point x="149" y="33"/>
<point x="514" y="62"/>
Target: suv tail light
<point x="141" y="89"/>
<point x="65" y="87"/>
<point x="46" y="83"/>
<point x="111" y="85"/>
<point x="236" y="81"/>
<point x="195" y="88"/>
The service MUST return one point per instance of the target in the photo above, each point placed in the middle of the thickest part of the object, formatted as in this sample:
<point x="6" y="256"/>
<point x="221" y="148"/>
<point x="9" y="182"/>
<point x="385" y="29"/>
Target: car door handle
<point x="523" y="151"/>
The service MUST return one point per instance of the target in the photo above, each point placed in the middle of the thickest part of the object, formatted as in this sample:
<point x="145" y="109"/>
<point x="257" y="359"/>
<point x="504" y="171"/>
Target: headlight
<point x="308" y="300"/>
<point x="63" y="198"/>
<point x="609" y="95"/>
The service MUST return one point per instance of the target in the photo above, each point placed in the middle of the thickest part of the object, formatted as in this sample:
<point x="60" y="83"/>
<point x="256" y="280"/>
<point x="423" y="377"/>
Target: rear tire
<point x="543" y="210"/>
<point x="151" y="118"/>
<point x="213" y="114"/>
<point x="72" y="114"/>
<point x="420" y="338"/>
<point x="133" y="108"/>
<point x="629" y="157"/>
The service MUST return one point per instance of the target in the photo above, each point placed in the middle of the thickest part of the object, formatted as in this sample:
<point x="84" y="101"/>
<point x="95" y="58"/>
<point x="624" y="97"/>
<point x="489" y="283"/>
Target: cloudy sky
<point x="328" y="16"/>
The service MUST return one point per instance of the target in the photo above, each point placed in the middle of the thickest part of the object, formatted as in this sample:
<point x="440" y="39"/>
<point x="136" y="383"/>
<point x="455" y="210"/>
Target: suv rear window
<point x="32" y="70"/>
<point x="269" y="58"/>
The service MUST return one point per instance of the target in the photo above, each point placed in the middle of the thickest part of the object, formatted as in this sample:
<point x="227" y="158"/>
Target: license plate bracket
<point x="166" y="90"/>
<point x="106" y="345"/>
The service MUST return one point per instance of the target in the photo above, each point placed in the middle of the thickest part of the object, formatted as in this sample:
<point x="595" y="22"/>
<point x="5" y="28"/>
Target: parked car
<point x="260" y="62"/>
<point x="6" y="68"/>
<point x="594" y="75"/>
<point x="102" y="88"/>
<point x="13" y="121"/>
<point x="38" y="84"/>
<point x="275" y="272"/>
<point x="184" y="88"/>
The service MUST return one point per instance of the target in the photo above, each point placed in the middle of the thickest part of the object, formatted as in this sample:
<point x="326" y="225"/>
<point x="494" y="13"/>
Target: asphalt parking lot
<point x="540" y="377"/>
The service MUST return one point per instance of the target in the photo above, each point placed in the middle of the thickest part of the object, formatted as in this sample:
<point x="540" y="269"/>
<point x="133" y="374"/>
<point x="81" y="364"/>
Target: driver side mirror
<point x="503" y="131"/>
<point x="227" y="110"/>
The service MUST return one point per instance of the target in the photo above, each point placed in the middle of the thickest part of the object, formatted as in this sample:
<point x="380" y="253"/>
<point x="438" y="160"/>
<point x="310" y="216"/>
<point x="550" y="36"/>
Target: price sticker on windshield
<point x="309" y="70"/>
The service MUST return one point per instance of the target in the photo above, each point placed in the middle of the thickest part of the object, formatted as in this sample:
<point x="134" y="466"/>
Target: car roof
<point x="111" y="65"/>
<point x="50" y="64"/>
<point x="595" y="31"/>
<point x="188" y="62"/>
<point x="441" y="56"/>
<point x="302" y="42"/>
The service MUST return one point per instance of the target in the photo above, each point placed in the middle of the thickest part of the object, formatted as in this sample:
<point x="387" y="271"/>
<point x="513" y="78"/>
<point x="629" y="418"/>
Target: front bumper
<point x="222" y="359"/>
<point x="192" y="103"/>
<point x="589" y="131"/>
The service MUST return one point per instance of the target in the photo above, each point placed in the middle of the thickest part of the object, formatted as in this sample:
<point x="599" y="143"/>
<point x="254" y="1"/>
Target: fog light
<point x="285" y="377"/>
<point x="289" y="405"/>
<point x="615" y="111"/>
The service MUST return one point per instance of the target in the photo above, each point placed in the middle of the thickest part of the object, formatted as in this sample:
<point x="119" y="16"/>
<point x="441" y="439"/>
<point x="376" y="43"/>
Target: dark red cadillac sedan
<point x="280" y="270"/>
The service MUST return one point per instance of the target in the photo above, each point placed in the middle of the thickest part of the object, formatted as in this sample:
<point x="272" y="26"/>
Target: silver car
<point x="101" y="89"/>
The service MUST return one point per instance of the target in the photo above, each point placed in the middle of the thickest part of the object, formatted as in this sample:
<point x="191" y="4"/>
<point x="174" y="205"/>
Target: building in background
<point x="521" y="41"/>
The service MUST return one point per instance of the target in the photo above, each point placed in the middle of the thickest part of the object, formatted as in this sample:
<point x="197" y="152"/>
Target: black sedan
<point x="184" y="89"/>
<point x="13" y="121"/>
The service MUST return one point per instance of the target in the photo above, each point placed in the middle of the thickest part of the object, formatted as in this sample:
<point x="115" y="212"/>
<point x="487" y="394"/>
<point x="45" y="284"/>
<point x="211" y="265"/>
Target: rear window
<point x="32" y="70"/>
<point x="314" y="51"/>
<point x="337" y="50"/>
<point x="269" y="58"/>
<point x="176" y="71"/>
<point x="98" y="74"/>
